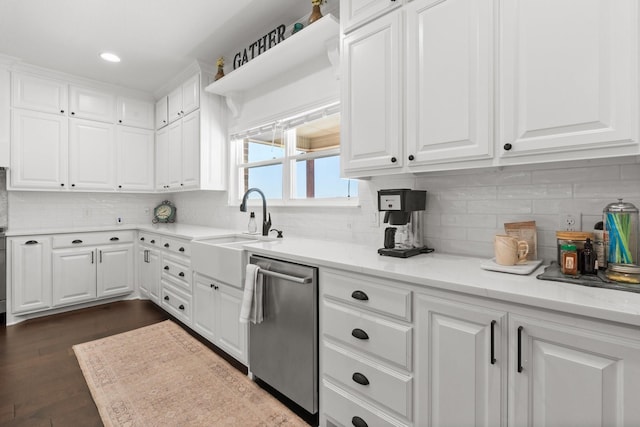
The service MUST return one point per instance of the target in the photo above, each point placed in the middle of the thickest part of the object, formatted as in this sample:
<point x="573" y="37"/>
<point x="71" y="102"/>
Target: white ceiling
<point x="156" y="39"/>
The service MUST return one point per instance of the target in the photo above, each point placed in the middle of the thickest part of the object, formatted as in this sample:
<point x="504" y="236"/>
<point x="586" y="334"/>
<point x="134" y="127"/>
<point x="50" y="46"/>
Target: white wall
<point x="34" y="210"/>
<point x="464" y="208"/>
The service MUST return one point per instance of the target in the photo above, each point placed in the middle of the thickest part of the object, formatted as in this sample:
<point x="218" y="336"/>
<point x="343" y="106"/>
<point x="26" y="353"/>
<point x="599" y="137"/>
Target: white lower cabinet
<point x="64" y="269"/>
<point x="149" y="273"/>
<point x="366" y="368"/>
<point x="216" y="315"/>
<point x="572" y="373"/>
<point x="85" y="273"/>
<point x="74" y="275"/>
<point x="461" y="363"/>
<point x="475" y="361"/>
<point x="29" y="273"/>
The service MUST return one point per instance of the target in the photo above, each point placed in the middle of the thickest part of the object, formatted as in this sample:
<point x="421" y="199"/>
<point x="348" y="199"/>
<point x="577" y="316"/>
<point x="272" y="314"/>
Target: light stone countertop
<point x="441" y="271"/>
<point x="461" y="274"/>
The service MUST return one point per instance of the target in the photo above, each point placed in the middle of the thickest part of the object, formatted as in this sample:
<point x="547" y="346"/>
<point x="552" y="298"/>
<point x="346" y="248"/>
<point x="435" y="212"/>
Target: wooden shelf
<point x="319" y="38"/>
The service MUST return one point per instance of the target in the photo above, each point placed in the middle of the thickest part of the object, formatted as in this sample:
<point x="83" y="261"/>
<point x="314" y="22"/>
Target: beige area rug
<point x="160" y="375"/>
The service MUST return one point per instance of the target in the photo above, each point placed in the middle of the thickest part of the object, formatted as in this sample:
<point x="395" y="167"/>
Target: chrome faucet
<point x="266" y="223"/>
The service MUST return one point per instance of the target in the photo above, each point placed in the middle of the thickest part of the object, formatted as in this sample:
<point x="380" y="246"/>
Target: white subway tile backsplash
<point x="541" y="191"/>
<point x="499" y="206"/>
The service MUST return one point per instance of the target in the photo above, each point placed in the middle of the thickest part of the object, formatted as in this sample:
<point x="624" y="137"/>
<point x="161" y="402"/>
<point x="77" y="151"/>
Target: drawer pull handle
<point x="358" y="422"/>
<point x="360" y="334"/>
<point x="181" y="249"/>
<point x="520" y="328"/>
<point x="166" y="297"/>
<point x="493" y="342"/>
<point x="360" y="379"/>
<point x="181" y="274"/>
<point x="166" y="267"/>
<point x="359" y="295"/>
<point x="181" y="307"/>
<point x="77" y="241"/>
<point x="153" y="241"/>
<point x="166" y="245"/>
<point x="31" y="242"/>
<point x="114" y="239"/>
<point x="142" y="239"/>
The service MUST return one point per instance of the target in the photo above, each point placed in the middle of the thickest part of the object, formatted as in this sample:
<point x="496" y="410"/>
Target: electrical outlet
<point x="570" y="221"/>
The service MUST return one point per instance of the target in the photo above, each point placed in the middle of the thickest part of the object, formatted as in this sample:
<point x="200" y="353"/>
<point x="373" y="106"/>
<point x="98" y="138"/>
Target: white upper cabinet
<point x="92" y="155"/>
<point x="162" y="160"/>
<point x="191" y="151"/>
<point x="568" y="76"/>
<point x="371" y="96"/>
<point x="39" y="93"/>
<point x="357" y="12"/>
<point x="135" y="112"/>
<point x="161" y="113"/>
<point x="449" y="80"/>
<point x="39" y="144"/>
<point x="184" y="99"/>
<point x="5" y="116"/>
<point x="92" y="104"/>
<point x="135" y="159"/>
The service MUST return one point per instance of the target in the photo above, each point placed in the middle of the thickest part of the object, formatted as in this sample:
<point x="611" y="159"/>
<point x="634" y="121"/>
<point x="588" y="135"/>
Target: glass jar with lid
<point x="624" y="273"/>
<point x="621" y="232"/>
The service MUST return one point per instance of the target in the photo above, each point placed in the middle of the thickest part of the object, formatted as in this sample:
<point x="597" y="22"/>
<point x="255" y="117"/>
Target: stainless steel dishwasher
<point x="283" y="349"/>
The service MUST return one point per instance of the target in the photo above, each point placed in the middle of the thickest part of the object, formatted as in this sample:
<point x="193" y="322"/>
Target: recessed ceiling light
<point x="110" y="57"/>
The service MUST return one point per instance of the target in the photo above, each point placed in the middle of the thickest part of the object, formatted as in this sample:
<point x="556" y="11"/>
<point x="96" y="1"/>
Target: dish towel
<point x="251" y="308"/>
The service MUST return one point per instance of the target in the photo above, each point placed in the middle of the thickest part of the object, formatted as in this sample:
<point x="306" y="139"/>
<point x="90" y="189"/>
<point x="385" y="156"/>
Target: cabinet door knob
<point x="181" y="307"/>
<point x="411" y="157"/>
<point x="166" y="267"/>
<point x="119" y="121"/>
<point x="357" y="421"/>
<point x="62" y="184"/>
<point x="62" y="111"/>
<point x="508" y="146"/>
<point x="142" y="239"/>
<point x="166" y="297"/>
<point x="360" y="334"/>
<point x="393" y="160"/>
<point x="181" y="249"/>
<point x="181" y="274"/>
<point x="359" y="295"/>
<point x="119" y="186"/>
<point x="153" y="241"/>
<point x="73" y="113"/>
<point x="166" y="245"/>
<point x="360" y="379"/>
<point x="73" y="185"/>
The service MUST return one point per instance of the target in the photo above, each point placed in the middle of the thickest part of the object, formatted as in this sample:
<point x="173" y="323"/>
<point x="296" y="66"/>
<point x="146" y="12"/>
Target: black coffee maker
<point x="403" y="209"/>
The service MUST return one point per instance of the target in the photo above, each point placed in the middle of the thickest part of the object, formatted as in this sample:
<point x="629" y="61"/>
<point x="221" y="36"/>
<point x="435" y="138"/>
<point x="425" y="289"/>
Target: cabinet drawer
<point x="179" y="273"/>
<point x="376" y="382"/>
<point x="381" y="338"/>
<point x="176" y="246"/>
<point x="367" y="293"/>
<point x="92" y="239"/>
<point x="149" y="239"/>
<point x="342" y="409"/>
<point x="176" y="303"/>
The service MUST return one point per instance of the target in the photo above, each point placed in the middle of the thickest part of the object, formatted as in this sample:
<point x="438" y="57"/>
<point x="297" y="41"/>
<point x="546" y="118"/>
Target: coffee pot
<point x="403" y="210"/>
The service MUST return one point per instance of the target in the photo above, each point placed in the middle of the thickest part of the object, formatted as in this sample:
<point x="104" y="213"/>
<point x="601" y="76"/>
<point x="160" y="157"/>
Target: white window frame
<point x="287" y="127"/>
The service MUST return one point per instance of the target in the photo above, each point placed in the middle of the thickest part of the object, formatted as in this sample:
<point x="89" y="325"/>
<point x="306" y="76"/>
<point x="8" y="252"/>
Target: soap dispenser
<point x="253" y="227"/>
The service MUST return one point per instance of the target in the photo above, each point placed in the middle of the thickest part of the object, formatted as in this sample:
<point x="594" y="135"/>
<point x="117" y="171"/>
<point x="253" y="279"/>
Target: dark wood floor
<point x="40" y="381"/>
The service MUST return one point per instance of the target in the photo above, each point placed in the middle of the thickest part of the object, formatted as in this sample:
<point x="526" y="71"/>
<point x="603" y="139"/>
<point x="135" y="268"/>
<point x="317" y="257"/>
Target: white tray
<point x="526" y="268"/>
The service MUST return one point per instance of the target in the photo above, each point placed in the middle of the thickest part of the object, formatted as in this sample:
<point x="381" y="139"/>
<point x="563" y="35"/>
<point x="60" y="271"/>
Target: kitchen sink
<point x="222" y="258"/>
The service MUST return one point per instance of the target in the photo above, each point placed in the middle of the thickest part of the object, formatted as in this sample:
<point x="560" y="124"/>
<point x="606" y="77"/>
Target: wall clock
<point x="164" y="212"/>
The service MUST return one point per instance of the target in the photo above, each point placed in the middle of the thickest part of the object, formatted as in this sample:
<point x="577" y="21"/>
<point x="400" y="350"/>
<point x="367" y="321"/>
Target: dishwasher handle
<point x="288" y="277"/>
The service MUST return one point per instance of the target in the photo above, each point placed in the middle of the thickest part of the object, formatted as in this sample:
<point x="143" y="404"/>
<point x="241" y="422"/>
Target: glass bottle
<point x="589" y="256"/>
<point x="253" y="227"/>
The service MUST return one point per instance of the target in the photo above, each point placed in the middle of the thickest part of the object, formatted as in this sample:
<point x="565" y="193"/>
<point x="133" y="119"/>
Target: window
<point x="296" y="160"/>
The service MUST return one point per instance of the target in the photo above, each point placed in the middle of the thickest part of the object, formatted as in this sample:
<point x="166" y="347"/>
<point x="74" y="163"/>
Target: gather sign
<point x="259" y="46"/>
